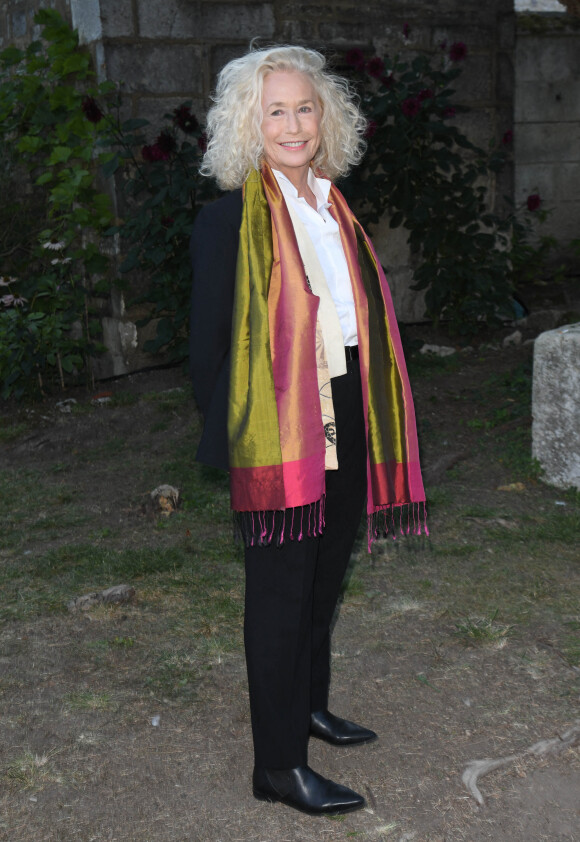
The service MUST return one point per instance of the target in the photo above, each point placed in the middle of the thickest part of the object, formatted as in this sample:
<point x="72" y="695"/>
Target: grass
<point x="482" y="630"/>
<point x="88" y="700"/>
<point x="498" y="570"/>
<point x="425" y="364"/>
<point x="54" y="547"/>
<point x="12" y="432"/>
<point x="31" y="771"/>
<point x="174" y="674"/>
<point x="571" y="642"/>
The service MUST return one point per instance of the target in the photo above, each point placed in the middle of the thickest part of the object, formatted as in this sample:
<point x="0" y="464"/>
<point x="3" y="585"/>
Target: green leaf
<point x="45" y="177"/>
<point x="59" y="155"/>
<point x="75" y="63"/>
<point x="11" y="56"/>
<point x="29" y="144"/>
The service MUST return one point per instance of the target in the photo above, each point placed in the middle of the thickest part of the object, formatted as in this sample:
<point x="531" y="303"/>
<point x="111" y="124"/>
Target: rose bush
<point x="424" y="174"/>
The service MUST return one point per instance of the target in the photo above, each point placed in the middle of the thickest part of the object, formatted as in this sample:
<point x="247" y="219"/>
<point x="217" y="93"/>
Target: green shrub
<point x="425" y="174"/>
<point x="163" y="192"/>
<point x="52" y="213"/>
<point x="61" y="136"/>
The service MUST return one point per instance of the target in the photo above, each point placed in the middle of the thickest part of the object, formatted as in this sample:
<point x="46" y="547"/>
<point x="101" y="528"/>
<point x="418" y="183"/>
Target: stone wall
<point x="547" y="119"/>
<point x="166" y="51"/>
<point x="16" y="19"/>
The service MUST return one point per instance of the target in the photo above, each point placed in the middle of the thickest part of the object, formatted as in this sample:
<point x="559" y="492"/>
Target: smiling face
<point x="291" y="123"/>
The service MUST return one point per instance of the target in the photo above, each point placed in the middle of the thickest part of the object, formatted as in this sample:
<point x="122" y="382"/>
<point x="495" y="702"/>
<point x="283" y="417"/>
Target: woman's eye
<point x="305" y="109"/>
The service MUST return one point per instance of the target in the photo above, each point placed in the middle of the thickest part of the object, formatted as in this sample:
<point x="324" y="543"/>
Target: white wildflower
<point x="13" y="300"/>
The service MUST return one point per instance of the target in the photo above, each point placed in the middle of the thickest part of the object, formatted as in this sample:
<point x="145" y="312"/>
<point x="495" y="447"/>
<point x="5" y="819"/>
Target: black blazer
<point x="214" y="253"/>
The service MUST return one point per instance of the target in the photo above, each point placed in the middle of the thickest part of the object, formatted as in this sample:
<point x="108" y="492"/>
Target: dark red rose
<point x="371" y="128"/>
<point x="375" y="67"/>
<point x="508" y="138"/>
<point x="388" y="81"/>
<point x="185" y="120"/>
<point x="91" y="110"/>
<point x="449" y="111"/>
<point x="406" y="30"/>
<point x="355" y="59"/>
<point x="202" y="143"/>
<point x="166" y="142"/>
<point x="154" y="153"/>
<point x="534" y="201"/>
<point x="457" y="51"/>
<point x="426" y="93"/>
<point x="410" y="107"/>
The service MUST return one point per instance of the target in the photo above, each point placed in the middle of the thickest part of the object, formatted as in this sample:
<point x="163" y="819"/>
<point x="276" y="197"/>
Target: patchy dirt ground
<point x="453" y="647"/>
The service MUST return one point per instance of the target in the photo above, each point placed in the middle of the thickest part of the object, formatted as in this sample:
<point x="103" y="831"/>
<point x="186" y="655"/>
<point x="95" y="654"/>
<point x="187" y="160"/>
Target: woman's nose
<point x="293" y="123"/>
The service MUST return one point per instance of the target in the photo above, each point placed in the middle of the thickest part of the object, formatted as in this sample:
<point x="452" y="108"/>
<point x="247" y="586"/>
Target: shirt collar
<point x="319" y="186"/>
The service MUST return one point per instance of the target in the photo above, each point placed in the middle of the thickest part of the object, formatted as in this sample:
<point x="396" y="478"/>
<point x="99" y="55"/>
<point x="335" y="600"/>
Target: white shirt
<point x="324" y="232"/>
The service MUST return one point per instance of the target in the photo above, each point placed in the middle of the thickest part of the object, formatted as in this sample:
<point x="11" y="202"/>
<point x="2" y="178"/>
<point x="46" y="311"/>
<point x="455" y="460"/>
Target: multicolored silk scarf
<point x="275" y="428"/>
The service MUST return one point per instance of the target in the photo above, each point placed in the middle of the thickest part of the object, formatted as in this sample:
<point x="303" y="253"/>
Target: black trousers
<point x="291" y="596"/>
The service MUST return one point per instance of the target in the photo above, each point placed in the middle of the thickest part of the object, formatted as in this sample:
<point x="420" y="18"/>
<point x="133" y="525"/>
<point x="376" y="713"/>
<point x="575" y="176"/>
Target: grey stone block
<point x="390" y="244"/>
<point x="296" y="11"/>
<point x="183" y="19"/>
<point x="477" y="125"/>
<point x="547" y="101"/>
<point x="156" y="68"/>
<point x="548" y="142"/>
<point x="555" y="182"/>
<point x="476" y="82"/>
<point x="119" y="338"/>
<point x="95" y="18"/>
<point x="302" y="32"/>
<point x="393" y="253"/>
<point x="472" y="36"/>
<point x="562" y="223"/>
<point x="19" y="23"/>
<point x="390" y="39"/>
<point x="117" y="18"/>
<point x="409" y="304"/>
<point x="556" y="405"/>
<point x="549" y="58"/>
<point x="342" y="32"/>
<point x="505" y="79"/>
<point x="221" y="55"/>
<point x="507" y="31"/>
<point x="559" y="187"/>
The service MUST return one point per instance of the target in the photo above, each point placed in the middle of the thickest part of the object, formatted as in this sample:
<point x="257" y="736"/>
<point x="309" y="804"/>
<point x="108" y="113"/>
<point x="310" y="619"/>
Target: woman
<point x="297" y="367"/>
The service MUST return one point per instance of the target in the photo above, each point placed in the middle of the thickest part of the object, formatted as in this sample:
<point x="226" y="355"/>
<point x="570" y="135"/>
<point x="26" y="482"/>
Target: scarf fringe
<point x="261" y="529"/>
<point x="406" y="519"/>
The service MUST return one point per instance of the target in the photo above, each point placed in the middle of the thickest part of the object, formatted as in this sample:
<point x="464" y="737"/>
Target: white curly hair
<point x="235" y="143"/>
